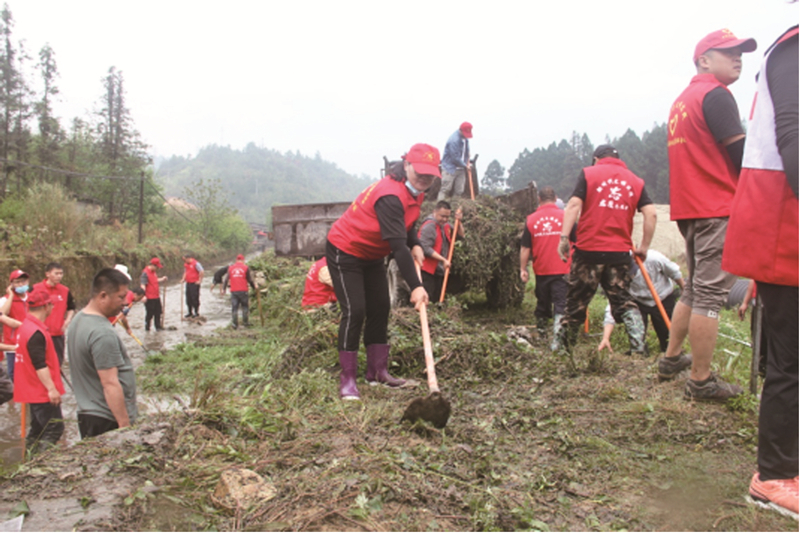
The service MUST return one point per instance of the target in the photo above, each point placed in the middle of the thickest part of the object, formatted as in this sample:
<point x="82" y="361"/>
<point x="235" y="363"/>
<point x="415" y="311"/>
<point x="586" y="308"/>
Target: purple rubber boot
<point x="347" y="379"/>
<point x="377" y="367"/>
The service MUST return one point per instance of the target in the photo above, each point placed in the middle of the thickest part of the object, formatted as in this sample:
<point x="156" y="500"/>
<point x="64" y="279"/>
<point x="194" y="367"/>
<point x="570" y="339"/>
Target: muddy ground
<point x="534" y="442"/>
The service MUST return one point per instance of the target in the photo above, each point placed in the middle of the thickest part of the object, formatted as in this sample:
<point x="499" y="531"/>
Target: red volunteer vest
<point x="58" y="296"/>
<point x="762" y="238"/>
<point x="430" y="264"/>
<point x="18" y="311"/>
<point x="237" y="277"/>
<point x="612" y="194"/>
<point x="702" y="180"/>
<point x="190" y="271"/>
<point x="151" y="289"/>
<point x="545" y="225"/>
<point x="357" y="231"/>
<point x="316" y="293"/>
<point x="27" y="386"/>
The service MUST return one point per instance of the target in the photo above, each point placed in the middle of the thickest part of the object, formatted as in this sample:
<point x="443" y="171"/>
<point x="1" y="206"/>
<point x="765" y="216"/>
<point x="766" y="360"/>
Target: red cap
<point x="17" y="274"/>
<point x="425" y="159"/>
<point x="240" y="257"/>
<point x="38" y="297"/>
<point x="466" y="130"/>
<point x="157" y="262"/>
<point x="720" y="40"/>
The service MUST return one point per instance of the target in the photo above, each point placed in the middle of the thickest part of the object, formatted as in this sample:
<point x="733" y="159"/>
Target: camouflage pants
<point x="616" y="280"/>
<point x="6" y="387"/>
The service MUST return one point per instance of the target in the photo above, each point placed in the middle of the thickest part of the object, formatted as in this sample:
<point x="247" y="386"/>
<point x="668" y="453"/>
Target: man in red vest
<point x="434" y="237"/>
<point x="705" y="141"/>
<point x="239" y="278"/>
<point x="14" y="305"/>
<point x="63" y="305"/>
<point x="606" y="197"/>
<point x="540" y="240"/>
<point x="149" y="281"/>
<point x="38" y="374"/>
<point x="318" y="290"/>
<point x="762" y="244"/>
<point x="193" y="277"/>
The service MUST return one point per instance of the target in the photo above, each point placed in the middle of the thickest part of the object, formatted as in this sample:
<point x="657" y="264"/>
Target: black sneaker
<point x="712" y="390"/>
<point x="669" y="367"/>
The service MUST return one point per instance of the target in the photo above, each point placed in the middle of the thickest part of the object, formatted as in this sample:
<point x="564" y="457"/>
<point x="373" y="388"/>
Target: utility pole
<point x="141" y="205"/>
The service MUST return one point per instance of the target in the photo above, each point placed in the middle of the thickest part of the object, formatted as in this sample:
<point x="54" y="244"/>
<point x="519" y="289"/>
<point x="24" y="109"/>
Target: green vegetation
<point x="533" y="442"/>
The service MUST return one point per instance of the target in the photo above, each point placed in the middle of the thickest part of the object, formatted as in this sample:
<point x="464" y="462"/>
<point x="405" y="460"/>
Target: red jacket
<point x="191" y="275"/>
<point x="58" y="296"/>
<point x="316" y="293"/>
<point x="429" y="264"/>
<point x="357" y="231"/>
<point x="18" y="311"/>
<point x="612" y="194"/>
<point x="28" y="388"/>
<point x="545" y="225"/>
<point x="237" y="277"/>
<point x="702" y="180"/>
<point x="151" y="290"/>
<point x="762" y="237"/>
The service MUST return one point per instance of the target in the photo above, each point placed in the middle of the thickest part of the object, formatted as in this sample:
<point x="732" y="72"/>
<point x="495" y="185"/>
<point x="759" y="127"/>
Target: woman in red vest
<point x="319" y="287"/>
<point x="14" y="305"/>
<point x="379" y="222"/>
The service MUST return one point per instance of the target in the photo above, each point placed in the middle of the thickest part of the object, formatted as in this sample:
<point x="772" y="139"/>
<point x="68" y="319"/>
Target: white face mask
<point x="21" y="290"/>
<point x="411" y="188"/>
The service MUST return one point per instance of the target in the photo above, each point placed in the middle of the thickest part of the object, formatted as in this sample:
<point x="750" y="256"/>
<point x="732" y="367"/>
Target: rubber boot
<point x="377" y="367"/>
<point x="634" y="324"/>
<point x="556" y="343"/>
<point x="347" y="379"/>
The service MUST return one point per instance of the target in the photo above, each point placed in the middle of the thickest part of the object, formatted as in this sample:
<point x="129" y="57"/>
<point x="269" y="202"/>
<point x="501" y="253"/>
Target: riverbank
<point x="533" y="443"/>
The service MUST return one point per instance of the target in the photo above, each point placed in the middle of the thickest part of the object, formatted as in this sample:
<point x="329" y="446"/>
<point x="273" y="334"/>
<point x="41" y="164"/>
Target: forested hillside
<point x="256" y="178"/>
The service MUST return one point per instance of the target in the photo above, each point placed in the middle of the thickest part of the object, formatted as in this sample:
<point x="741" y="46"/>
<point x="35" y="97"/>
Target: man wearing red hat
<point x="239" y="277"/>
<point x="705" y="146"/>
<point x="150" y="281"/>
<point x="14" y="305"/>
<point x="455" y="162"/>
<point x="38" y="374"/>
<point x="380" y="221"/>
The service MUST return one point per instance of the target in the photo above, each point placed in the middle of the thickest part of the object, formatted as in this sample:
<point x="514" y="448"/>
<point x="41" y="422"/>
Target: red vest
<point x="545" y="225"/>
<point x="27" y="386"/>
<point x="702" y="180"/>
<point x="357" y="231"/>
<point x="316" y="293"/>
<point x="612" y="194"/>
<point x="18" y="311"/>
<point x="762" y="237"/>
<point x="58" y="295"/>
<point x="151" y="289"/>
<point x="128" y="301"/>
<point x="237" y="277"/>
<point x="191" y="275"/>
<point x="430" y="264"/>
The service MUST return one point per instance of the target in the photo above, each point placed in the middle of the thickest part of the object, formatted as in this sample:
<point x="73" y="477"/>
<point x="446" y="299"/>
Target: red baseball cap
<point x="466" y="130"/>
<point x="720" y="40"/>
<point x="239" y="257"/>
<point x="425" y="159"/>
<point x="17" y="274"/>
<point x="38" y="297"/>
<point x="157" y="262"/>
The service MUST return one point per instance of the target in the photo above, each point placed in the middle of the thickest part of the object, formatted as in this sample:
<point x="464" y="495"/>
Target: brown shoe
<point x="711" y="390"/>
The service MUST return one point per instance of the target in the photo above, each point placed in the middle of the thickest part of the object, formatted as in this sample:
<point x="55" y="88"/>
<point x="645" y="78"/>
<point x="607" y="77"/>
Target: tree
<point x="50" y="134"/>
<point x="494" y="180"/>
<point x="13" y="104"/>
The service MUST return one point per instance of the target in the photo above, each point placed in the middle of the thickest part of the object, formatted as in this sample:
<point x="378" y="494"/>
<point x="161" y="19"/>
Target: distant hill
<point x="256" y="178"/>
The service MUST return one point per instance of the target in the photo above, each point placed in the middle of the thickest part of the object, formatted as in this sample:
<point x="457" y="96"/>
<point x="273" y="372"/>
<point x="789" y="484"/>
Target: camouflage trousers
<point x="615" y="279"/>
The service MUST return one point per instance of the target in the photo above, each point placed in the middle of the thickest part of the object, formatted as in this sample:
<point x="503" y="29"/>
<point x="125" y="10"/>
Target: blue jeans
<point x="240" y="298"/>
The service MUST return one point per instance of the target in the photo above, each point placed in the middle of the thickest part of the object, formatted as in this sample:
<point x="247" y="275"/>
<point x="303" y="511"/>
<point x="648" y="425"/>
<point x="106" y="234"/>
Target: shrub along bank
<point x="535" y="442"/>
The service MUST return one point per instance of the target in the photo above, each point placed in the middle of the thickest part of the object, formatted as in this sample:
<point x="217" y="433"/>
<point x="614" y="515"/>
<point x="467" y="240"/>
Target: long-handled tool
<point x="758" y="310"/>
<point x="182" y="297"/>
<point x="434" y="408"/>
<point x="653" y="291"/>
<point x="449" y="259"/>
<point x="471" y="187"/>
<point x="163" y="306"/>
<point x="260" y="312"/>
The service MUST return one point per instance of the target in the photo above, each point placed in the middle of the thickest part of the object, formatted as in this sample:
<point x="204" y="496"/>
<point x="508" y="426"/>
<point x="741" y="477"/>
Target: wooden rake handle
<point x="449" y="259"/>
<point x="471" y="187"/>
<point x="430" y="367"/>
<point x="653" y="291"/>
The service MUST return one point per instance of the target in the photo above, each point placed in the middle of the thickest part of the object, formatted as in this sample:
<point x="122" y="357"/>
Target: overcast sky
<point x="359" y="80"/>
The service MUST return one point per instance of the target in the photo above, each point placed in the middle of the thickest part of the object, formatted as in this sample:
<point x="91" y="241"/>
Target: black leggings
<point x="363" y="293"/>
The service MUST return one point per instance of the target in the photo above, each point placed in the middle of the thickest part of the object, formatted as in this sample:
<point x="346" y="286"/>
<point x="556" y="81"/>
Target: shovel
<point x="434" y="408"/>
<point x="449" y="258"/>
